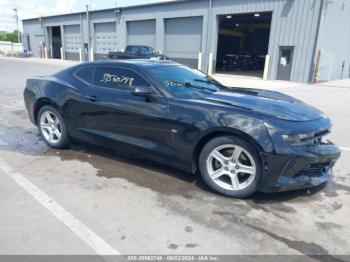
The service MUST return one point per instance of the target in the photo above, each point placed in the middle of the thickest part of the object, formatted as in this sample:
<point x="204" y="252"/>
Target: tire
<point x="230" y="166"/>
<point x="55" y="126"/>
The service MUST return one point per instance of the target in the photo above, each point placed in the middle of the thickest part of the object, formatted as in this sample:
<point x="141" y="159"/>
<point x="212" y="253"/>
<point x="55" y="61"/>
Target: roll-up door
<point x="183" y="39"/>
<point x="72" y="40"/>
<point x="105" y="38"/>
<point x="142" y="32"/>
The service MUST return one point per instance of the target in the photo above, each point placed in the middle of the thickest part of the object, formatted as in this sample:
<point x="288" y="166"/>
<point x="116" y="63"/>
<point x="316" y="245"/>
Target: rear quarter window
<point x="84" y="74"/>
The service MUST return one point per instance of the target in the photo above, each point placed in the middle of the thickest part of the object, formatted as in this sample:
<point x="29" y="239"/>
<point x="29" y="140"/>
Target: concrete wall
<point x="334" y="41"/>
<point x="7" y="47"/>
<point x="294" y="23"/>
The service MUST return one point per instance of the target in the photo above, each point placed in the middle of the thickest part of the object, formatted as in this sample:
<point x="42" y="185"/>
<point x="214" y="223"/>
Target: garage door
<point x="142" y="32"/>
<point x="72" y="40"/>
<point x="105" y="39"/>
<point x="183" y="39"/>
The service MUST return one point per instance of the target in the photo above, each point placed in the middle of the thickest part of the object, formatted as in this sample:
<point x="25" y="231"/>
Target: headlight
<point x="299" y="139"/>
<point x="325" y="139"/>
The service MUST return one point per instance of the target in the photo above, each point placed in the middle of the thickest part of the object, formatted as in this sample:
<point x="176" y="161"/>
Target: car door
<point x="112" y="114"/>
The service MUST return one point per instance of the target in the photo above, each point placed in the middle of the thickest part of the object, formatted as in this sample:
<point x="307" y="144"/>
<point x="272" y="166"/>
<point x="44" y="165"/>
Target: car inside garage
<point x="243" y="41"/>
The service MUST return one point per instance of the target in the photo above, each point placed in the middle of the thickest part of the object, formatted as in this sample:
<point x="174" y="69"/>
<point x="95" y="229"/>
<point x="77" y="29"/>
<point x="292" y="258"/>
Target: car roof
<point x="131" y="63"/>
<point x="140" y="46"/>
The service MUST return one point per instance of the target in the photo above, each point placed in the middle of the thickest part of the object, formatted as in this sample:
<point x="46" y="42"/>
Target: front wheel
<point x="230" y="166"/>
<point x="52" y="127"/>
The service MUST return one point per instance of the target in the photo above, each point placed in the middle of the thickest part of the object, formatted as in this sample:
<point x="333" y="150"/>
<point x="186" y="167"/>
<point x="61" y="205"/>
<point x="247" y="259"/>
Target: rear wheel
<point x="52" y="127"/>
<point x="230" y="166"/>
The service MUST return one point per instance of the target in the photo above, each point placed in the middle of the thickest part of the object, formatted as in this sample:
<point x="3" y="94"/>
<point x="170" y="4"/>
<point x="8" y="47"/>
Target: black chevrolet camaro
<point x="240" y="140"/>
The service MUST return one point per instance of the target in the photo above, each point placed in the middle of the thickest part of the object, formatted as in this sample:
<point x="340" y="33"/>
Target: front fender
<point x="252" y="129"/>
<point x="194" y="122"/>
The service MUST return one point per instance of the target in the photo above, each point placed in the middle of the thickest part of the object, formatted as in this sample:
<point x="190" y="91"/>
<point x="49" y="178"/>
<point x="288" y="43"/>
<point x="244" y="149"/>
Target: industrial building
<point x="297" y="40"/>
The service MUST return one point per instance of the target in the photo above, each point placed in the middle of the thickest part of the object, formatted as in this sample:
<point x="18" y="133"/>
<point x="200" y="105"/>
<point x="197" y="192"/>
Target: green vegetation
<point x="6" y="36"/>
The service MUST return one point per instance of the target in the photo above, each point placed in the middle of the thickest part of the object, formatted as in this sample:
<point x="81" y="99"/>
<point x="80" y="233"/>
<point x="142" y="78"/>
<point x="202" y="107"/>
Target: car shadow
<point x="142" y="172"/>
<point x="277" y="197"/>
<point x="185" y="181"/>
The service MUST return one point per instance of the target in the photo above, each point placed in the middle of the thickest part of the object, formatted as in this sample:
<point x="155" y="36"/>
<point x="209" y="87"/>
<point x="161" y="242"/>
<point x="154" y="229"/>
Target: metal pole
<point x="62" y="53"/>
<point x="88" y="26"/>
<point x="16" y="17"/>
<point x="210" y="64"/>
<point x="266" y="67"/>
<point x="312" y="68"/>
<point x="43" y="28"/>
<point x="80" y="55"/>
<point x="316" y="69"/>
<point x="199" y="61"/>
<point x="46" y="52"/>
<point x="91" y="54"/>
<point x="207" y="46"/>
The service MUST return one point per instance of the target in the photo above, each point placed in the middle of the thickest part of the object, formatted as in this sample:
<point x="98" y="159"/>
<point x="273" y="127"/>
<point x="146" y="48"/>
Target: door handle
<point x="92" y="98"/>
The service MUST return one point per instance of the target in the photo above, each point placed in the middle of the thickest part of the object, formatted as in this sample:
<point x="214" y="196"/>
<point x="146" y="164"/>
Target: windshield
<point x="139" y="49"/>
<point x="183" y="81"/>
<point x="150" y="49"/>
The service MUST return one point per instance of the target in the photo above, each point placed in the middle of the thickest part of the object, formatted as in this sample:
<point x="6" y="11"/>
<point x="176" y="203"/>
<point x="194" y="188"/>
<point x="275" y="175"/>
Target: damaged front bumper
<point x="303" y="167"/>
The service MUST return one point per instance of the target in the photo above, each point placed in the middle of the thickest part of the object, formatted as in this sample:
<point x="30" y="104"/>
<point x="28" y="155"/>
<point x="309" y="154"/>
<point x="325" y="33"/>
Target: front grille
<point x="317" y="167"/>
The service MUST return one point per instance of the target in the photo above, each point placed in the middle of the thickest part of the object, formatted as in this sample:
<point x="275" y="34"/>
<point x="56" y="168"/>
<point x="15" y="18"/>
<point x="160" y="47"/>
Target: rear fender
<point x="41" y="91"/>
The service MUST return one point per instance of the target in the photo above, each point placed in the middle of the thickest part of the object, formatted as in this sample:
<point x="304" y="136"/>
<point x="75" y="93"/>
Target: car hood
<point x="269" y="103"/>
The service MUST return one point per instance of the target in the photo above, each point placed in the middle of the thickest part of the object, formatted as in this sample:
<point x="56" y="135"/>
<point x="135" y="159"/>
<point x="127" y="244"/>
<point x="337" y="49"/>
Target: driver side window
<point x="117" y="78"/>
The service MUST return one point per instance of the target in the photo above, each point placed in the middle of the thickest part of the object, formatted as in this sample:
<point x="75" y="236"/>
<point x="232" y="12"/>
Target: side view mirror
<point x="144" y="91"/>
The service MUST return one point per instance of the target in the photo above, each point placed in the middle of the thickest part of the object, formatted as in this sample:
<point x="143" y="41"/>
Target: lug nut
<point x="237" y="167"/>
<point x="226" y="168"/>
<point x="226" y="162"/>
<point x="232" y="171"/>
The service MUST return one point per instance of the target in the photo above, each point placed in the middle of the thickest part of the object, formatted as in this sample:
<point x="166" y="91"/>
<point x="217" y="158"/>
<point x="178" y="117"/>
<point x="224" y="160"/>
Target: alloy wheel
<point x="51" y="127"/>
<point x="231" y="167"/>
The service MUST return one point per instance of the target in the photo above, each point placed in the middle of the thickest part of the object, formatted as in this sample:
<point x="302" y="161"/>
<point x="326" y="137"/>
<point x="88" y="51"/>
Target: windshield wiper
<point x="213" y="82"/>
<point x="187" y="84"/>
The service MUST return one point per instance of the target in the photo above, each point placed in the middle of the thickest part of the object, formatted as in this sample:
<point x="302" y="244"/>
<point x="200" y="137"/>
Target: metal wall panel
<point x="72" y="41"/>
<point x="142" y="32"/>
<point x="105" y="38"/>
<point x="37" y="46"/>
<point x="160" y="13"/>
<point x="334" y="41"/>
<point x="35" y="33"/>
<point x="294" y="23"/>
<point x="183" y="39"/>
